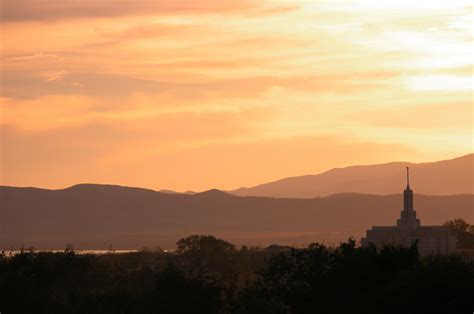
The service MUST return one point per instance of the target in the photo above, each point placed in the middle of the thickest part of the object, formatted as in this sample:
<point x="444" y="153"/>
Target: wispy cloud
<point x="36" y="56"/>
<point x="28" y="10"/>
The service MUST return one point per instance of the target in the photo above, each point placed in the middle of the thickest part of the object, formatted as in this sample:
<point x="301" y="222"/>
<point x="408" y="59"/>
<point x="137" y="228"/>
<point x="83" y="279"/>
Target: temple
<point x="431" y="239"/>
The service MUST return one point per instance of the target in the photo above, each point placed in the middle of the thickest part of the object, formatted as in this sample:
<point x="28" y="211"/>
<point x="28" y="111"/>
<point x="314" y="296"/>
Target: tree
<point x="205" y="253"/>
<point x="458" y="227"/>
<point x="463" y="231"/>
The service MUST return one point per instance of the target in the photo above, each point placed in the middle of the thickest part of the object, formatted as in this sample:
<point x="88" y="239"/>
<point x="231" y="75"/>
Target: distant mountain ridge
<point x="329" y="207"/>
<point x="446" y="177"/>
<point x="175" y="192"/>
<point x="91" y="216"/>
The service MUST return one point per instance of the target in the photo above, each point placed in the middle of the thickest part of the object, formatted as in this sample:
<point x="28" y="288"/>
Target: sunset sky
<point x="193" y="95"/>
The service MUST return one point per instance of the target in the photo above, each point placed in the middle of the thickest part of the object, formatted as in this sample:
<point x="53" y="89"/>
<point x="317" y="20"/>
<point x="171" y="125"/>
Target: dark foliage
<point x="463" y="231"/>
<point x="361" y="280"/>
<point x="208" y="275"/>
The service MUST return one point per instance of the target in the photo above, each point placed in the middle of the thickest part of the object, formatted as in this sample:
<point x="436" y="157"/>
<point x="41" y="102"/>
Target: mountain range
<point x="447" y="177"/>
<point x="93" y="216"/>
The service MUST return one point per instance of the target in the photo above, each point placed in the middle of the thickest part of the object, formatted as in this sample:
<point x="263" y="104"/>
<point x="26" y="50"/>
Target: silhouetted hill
<point x="215" y="193"/>
<point x="94" y="216"/>
<point x="447" y="177"/>
<point x="168" y="191"/>
<point x="175" y="192"/>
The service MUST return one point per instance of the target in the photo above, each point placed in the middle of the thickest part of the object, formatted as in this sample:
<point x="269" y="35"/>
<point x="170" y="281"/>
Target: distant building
<point x="431" y="239"/>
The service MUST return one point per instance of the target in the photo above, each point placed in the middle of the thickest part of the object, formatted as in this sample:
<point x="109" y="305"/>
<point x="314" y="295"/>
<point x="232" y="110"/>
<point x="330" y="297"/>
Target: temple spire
<point x="408" y="214"/>
<point x="408" y="194"/>
<point x="408" y="176"/>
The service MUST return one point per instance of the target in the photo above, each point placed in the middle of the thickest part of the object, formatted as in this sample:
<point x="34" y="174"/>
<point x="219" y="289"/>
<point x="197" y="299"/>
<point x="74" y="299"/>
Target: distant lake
<point x="80" y="252"/>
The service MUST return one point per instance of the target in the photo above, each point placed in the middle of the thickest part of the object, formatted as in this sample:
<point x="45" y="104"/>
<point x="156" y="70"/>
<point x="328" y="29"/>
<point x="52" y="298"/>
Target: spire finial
<point x="408" y="176"/>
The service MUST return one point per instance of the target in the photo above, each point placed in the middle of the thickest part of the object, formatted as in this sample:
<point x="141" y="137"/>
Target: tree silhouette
<point x="316" y="279"/>
<point x="463" y="232"/>
<point x="204" y="253"/>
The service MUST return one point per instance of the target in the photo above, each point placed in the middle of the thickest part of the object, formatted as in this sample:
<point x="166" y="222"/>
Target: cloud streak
<point x="40" y="10"/>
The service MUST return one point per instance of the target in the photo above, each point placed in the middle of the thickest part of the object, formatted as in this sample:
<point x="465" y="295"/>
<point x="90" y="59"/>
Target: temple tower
<point x="408" y="215"/>
<point x="430" y="239"/>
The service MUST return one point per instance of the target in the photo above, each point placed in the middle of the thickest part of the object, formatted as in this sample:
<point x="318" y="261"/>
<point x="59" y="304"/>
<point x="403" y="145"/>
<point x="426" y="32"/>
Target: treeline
<point x="209" y="275"/>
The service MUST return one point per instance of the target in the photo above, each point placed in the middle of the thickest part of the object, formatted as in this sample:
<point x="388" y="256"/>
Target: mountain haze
<point x="447" y="177"/>
<point x="95" y="216"/>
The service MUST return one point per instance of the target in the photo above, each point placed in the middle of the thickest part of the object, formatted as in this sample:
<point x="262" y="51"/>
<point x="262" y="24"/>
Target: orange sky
<point x="192" y="95"/>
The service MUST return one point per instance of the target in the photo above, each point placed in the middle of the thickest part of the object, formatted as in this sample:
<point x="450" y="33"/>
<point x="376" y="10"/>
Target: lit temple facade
<point x="431" y="239"/>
